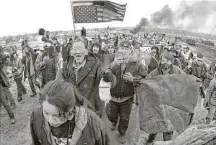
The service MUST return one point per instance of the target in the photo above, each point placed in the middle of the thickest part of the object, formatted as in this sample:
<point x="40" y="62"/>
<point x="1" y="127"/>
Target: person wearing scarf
<point x="83" y="70"/>
<point x="64" y="119"/>
<point x="127" y="72"/>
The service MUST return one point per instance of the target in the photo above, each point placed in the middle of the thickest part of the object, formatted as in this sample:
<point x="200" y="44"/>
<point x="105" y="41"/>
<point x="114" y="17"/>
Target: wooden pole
<point x="72" y="11"/>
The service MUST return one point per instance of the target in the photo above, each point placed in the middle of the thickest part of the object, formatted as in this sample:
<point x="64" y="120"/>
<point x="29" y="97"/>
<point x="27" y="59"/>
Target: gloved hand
<point x="198" y="80"/>
<point x="136" y="82"/>
<point x="107" y="76"/>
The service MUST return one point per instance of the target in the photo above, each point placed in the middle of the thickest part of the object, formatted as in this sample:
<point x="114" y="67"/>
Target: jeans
<point x="121" y="111"/>
<point x="4" y="103"/>
<point x="8" y="95"/>
<point x="20" y="88"/>
<point x="211" y="113"/>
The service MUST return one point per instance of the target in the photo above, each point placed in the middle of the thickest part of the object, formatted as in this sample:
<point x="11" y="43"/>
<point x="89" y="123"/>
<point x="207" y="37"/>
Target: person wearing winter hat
<point x="126" y="73"/>
<point x="64" y="119"/>
<point x="96" y="48"/>
<point x="165" y="67"/>
<point x="199" y="68"/>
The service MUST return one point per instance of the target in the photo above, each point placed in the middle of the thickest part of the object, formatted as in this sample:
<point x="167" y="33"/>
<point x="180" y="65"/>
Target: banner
<point x="166" y="102"/>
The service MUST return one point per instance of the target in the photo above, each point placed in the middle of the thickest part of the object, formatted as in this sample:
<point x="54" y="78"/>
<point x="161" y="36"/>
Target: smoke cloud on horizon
<point x="197" y="16"/>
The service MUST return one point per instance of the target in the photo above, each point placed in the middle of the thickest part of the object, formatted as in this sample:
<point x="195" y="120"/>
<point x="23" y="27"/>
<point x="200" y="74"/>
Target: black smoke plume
<point x="191" y="16"/>
<point x="142" y="24"/>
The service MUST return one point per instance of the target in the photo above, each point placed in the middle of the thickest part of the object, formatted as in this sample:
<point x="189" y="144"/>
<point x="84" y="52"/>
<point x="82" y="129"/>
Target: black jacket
<point x="122" y="88"/>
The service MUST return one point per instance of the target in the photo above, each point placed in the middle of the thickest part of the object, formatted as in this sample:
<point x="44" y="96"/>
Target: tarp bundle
<point x="166" y="102"/>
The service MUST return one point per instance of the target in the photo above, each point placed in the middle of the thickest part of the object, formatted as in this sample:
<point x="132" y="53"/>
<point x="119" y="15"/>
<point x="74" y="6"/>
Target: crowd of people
<point x="68" y="72"/>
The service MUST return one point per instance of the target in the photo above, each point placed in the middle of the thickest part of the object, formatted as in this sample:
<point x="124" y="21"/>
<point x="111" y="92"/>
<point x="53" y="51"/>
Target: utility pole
<point x="211" y="32"/>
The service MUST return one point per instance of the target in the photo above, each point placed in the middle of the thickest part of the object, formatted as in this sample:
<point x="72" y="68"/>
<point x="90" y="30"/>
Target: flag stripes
<point x="93" y="11"/>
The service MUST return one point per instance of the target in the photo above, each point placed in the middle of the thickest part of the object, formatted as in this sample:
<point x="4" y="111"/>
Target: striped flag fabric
<point x="94" y="11"/>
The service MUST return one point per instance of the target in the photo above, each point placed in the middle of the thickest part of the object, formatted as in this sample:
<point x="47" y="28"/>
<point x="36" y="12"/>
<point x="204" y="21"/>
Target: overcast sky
<point x="27" y="16"/>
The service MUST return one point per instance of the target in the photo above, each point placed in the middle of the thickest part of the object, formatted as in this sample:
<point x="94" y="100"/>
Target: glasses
<point x="47" y="46"/>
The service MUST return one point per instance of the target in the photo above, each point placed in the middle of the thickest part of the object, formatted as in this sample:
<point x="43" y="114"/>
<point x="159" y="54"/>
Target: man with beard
<point x="126" y="72"/>
<point x="165" y="67"/>
<point x="83" y="70"/>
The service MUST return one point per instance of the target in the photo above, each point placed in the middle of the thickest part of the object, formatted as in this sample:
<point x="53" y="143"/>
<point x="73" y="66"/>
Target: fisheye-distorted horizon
<point x="27" y="16"/>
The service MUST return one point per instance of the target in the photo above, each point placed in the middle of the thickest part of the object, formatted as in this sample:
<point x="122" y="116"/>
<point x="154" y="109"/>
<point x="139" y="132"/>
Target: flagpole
<point x="72" y="11"/>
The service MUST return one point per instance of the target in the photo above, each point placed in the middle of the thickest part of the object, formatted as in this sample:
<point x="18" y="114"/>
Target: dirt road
<point x="19" y="133"/>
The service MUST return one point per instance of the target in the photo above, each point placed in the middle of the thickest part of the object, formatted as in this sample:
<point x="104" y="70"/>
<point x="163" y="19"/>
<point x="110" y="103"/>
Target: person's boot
<point x="113" y="126"/>
<point x="13" y="104"/>
<point x="122" y="139"/>
<point x="12" y="120"/>
<point x="151" y="139"/>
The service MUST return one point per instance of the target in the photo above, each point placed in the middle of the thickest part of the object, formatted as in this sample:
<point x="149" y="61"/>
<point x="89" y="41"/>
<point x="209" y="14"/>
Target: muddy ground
<point x="19" y="133"/>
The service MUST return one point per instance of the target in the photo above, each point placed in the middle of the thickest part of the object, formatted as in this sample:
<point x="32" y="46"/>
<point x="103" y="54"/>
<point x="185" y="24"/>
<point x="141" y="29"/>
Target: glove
<point x="198" y="80"/>
<point x="107" y="76"/>
<point x="136" y="82"/>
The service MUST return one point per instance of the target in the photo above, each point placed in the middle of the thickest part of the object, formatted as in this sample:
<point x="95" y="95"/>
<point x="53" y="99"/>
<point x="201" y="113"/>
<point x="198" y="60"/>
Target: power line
<point x="211" y="32"/>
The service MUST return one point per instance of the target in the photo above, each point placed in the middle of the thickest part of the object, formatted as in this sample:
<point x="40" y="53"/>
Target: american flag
<point x="93" y="11"/>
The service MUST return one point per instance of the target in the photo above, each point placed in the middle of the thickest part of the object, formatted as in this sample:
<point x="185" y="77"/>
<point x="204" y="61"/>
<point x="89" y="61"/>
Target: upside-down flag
<point x="93" y="11"/>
